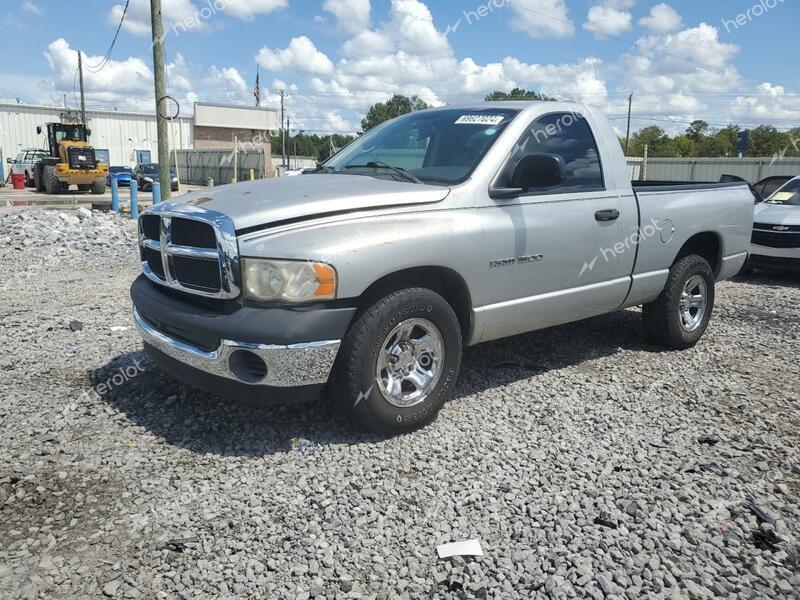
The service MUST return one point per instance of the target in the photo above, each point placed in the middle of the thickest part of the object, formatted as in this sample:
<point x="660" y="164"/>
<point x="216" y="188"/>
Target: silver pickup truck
<point x="435" y="231"/>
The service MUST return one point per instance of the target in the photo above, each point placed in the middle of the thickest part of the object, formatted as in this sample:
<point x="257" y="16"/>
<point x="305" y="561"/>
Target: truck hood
<point x="777" y="214"/>
<point x="262" y="202"/>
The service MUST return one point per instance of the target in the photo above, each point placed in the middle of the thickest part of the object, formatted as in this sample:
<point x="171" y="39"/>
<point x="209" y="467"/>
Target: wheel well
<point x="445" y="282"/>
<point x="705" y="244"/>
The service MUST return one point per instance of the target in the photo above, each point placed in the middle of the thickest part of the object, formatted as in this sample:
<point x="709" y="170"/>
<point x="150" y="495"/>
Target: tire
<point x="98" y="187"/>
<point x="51" y="183"/>
<point x="38" y="179"/>
<point x="356" y="386"/>
<point x="84" y="187"/>
<point x="676" y="321"/>
<point x="28" y="180"/>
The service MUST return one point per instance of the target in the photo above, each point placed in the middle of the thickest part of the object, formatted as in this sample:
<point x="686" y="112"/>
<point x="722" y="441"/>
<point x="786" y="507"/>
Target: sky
<point x="723" y="61"/>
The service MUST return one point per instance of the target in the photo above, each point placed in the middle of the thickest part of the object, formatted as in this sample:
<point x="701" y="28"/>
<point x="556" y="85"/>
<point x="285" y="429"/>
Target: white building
<point x="121" y="133"/>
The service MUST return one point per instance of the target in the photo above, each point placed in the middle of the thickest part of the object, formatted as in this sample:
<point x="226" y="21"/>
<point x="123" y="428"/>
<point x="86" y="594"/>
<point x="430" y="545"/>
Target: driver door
<point x="552" y="253"/>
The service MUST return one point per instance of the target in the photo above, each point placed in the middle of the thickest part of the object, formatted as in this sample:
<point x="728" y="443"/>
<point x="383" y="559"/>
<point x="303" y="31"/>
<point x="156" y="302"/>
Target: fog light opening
<point x="247" y="366"/>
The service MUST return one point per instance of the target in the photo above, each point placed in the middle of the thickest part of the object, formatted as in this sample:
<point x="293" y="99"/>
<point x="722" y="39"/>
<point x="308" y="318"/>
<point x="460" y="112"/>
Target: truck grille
<point x="190" y="249"/>
<point x="783" y="237"/>
<point x="81" y="158"/>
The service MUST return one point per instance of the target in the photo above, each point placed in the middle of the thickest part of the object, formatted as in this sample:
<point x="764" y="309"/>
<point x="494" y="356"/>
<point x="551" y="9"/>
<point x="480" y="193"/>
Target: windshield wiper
<point x="376" y="164"/>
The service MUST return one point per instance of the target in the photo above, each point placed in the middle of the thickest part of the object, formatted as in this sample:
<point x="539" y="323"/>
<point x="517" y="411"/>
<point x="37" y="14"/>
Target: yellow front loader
<point x="72" y="161"/>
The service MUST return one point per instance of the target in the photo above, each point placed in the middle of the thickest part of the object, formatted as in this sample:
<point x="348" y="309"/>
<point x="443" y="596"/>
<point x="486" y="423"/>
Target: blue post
<point x="156" y="192"/>
<point x="114" y="195"/>
<point x="134" y="201"/>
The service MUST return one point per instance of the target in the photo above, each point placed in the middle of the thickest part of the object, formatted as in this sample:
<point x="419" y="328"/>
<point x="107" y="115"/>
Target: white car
<point x="776" y="230"/>
<point x="24" y="163"/>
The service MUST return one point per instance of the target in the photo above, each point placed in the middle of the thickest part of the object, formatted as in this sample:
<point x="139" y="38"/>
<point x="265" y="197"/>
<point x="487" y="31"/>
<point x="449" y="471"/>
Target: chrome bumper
<point x="294" y="365"/>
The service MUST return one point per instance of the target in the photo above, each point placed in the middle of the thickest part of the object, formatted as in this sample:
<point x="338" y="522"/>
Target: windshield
<point x="788" y="195"/>
<point x="75" y="133"/>
<point x="149" y="169"/>
<point x="119" y="170"/>
<point x="435" y="146"/>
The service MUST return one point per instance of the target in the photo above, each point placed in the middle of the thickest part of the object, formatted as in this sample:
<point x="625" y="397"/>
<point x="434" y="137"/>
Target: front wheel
<point x="399" y="362"/>
<point x="678" y="318"/>
<point x="98" y="187"/>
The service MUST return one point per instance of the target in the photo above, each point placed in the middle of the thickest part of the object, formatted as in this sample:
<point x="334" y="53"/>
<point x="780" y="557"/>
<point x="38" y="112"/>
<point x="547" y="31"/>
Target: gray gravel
<point x="587" y="462"/>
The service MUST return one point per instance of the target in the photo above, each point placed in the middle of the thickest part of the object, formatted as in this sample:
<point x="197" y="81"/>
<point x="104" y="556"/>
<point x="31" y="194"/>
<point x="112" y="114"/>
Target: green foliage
<point x="657" y="141"/>
<point x="394" y="107"/>
<point x="310" y="145"/>
<point x="517" y="94"/>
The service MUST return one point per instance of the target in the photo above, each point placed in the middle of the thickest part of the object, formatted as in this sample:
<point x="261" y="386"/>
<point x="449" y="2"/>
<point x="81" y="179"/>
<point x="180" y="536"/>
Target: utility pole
<point x="289" y="142"/>
<point x="83" y="101"/>
<point x="159" y="73"/>
<point x="628" y="135"/>
<point x="283" y="128"/>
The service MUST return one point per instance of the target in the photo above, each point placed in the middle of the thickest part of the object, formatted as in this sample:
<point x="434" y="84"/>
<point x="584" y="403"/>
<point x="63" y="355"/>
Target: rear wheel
<point x="678" y="318"/>
<point x="399" y="361"/>
<point x="28" y="180"/>
<point x="98" y="187"/>
<point x="84" y="187"/>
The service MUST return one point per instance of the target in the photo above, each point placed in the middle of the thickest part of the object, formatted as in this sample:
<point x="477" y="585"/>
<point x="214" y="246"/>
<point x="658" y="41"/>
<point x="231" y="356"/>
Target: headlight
<point x="148" y="179"/>
<point x="288" y="280"/>
<point x="175" y="179"/>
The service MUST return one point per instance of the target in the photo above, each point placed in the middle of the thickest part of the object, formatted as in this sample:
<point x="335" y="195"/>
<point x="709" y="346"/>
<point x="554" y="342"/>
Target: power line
<point x="99" y="67"/>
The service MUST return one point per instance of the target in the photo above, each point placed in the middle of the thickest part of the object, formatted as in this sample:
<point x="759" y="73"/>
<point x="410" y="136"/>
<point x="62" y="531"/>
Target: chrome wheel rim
<point x="410" y="362"/>
<point x="693" y="304"/>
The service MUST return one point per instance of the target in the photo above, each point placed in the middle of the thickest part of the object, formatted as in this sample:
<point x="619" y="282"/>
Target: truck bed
<point x="674" y="186"/>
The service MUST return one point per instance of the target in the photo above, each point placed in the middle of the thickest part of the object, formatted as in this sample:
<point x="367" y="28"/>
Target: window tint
<point x="569" y="137"/>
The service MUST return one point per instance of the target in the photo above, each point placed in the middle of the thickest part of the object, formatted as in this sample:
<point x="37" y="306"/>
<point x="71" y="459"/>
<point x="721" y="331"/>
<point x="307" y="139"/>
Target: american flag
<point x="257" y="90"/>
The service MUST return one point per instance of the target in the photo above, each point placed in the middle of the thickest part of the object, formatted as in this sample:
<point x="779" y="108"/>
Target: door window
<point x="568" y="137"/>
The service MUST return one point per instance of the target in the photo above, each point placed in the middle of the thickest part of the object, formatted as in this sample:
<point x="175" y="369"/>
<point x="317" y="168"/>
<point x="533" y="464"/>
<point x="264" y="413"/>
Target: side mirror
<point x="38" y="130"/>
<point x="10" y="161"/>
<point x="538" y="171"/>
<point x="88" y="132"/>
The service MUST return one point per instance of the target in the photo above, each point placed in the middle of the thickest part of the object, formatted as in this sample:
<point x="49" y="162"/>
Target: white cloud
<point x="662" y="19"/>
<point x="367" y="43"/>
<point x="31" y="7"/>
<point x="607" y="21"/>
<point x="180" y="16"/>
<point x="770" y="103"/>
<point x="351" y="15"/>
<point x="249" y="9"/>
<point x="301" y="55"/>
<point x="542" y="18"/>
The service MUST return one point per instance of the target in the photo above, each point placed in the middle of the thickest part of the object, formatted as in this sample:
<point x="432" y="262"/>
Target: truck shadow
<point x="206" y="424"/>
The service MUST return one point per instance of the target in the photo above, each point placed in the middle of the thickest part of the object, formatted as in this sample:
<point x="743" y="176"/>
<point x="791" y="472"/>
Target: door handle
<point x="608" y="214"/>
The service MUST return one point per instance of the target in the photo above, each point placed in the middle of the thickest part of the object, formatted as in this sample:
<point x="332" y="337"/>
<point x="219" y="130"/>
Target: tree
<point x="517" y="94"/>
<point x="684" y="146"/>
<point x="658" y="143"/>
<point x="765" y="140"/>
<point x="394" y="107"/>
<point x="697" y="130"/>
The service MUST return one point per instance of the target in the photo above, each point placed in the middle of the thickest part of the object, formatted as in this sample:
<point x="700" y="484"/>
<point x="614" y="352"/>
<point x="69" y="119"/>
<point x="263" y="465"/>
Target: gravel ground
<point x="587" y="462"/>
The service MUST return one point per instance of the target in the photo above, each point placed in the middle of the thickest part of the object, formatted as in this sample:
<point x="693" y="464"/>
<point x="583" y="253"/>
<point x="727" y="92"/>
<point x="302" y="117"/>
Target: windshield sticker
<point x="480" y="120"/>
<point x="781" y="196"/>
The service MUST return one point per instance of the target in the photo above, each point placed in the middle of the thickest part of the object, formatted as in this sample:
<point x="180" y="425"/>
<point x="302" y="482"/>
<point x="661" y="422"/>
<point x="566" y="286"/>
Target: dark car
<point x="123" y="175"/>
<point x="148" y="174"/>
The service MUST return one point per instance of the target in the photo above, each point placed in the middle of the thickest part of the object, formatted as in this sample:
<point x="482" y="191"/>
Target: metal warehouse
<point x="123" y="134"/>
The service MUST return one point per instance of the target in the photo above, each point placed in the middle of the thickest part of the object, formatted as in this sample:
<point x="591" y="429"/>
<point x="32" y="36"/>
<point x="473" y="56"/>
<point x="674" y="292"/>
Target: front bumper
<point x="291" y="365"/>
<point x="206" y="347"/>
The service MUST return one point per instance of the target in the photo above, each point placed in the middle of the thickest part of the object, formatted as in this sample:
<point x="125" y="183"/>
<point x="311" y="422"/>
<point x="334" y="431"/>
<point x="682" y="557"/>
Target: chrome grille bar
<point x="226" y="253"/>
